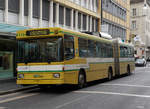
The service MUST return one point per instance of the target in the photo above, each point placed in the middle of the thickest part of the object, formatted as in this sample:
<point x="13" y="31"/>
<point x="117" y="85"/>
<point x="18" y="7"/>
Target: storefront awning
<point x="7" y="28"/>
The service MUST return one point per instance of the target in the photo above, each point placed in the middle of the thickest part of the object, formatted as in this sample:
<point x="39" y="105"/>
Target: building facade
<point x="77" y="15"/>
<point x="140" y="27"/>
<point x="116" y="16"/>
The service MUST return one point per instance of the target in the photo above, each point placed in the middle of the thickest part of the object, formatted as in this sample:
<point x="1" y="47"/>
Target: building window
<point x="13" y="6"/>
<point x="74" y="19"/>
<point x="54" y="12"/>
<point x="133" y="24"/>
<point x="134" y="11"/>
<point x="61" y="15"/>
<point x="36" y="8"/>
<point x="93" y="24"/>
<point x="84" y="22"/>
<point x="2" y="4"/>
<point x="68" y="17"/>
<point x="26" y="7"/>
<point x="45" y="10"/>
<point x="79" y="20"/>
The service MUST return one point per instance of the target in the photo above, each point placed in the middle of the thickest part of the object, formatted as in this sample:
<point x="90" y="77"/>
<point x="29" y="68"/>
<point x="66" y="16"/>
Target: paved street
<point x="128" y="92"/>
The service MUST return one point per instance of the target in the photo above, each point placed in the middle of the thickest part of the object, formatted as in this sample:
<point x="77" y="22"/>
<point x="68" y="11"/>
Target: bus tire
<point x="128" y="70"/>
<point x="110" y="75"/>
<point x="81" y="80"/>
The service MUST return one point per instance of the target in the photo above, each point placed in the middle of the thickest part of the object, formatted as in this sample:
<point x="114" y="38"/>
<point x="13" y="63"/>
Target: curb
<point x="16" y="90"/>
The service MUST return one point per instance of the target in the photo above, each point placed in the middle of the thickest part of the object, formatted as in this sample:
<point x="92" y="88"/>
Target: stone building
<point x="140" y="27"/>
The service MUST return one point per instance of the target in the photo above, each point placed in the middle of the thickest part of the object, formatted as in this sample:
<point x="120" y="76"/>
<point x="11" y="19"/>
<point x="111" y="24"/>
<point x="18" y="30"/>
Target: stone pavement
<point x="9" y="86"/>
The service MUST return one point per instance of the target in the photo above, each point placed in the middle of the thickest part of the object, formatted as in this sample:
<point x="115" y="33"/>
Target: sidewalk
<point x="9" y="86"/>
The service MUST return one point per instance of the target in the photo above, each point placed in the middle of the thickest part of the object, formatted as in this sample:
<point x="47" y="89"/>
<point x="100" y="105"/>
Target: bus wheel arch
<point x="110" y="73"/>
<point x="81" y="78"/>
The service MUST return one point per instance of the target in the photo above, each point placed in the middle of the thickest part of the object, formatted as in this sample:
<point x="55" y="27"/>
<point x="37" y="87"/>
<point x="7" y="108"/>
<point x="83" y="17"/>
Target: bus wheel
<point x="81" y="81"/>
<point x="110" y="77"/>
<point x="128" y="70"/>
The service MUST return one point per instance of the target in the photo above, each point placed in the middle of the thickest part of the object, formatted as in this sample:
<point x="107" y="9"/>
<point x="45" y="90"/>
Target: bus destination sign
<point x="37" y="32"/>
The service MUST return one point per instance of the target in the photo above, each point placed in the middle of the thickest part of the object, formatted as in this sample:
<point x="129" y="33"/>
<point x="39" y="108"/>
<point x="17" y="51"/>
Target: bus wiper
<point x="49" y="61"/>
<point x="26" y="60"/>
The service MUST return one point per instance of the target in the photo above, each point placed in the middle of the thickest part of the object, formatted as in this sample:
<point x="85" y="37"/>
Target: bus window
<point x="40" y="50"/>
<point x="83" y="47"/>
<point x="98" y="49"/>
<point x="91" y="48"/>
<point x="68" y="47"/>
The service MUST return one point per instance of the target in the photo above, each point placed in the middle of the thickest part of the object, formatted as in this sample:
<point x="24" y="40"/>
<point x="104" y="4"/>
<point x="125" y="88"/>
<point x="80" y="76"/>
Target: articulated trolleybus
<point x="52" y="56"/>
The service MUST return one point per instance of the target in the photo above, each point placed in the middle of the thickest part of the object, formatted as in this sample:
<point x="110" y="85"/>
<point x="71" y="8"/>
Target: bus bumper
<point x="37" y="82"/>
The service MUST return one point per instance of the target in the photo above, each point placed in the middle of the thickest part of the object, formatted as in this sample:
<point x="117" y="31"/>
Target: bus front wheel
<point x="81" y="81"/>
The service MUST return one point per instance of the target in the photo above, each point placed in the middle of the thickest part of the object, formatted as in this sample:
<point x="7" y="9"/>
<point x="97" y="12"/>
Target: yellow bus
<point x="51" y="56"/>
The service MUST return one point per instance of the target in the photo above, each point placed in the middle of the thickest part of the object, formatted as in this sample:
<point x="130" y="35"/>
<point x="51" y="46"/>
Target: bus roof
<point x="56" y="30"/>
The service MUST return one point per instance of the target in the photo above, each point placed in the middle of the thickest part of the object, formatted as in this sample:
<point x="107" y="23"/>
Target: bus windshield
<point x="40" y="50"/>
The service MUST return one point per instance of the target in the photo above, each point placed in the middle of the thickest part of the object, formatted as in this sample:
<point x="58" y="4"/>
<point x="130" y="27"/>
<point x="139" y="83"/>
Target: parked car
<point x="140" y="62"/>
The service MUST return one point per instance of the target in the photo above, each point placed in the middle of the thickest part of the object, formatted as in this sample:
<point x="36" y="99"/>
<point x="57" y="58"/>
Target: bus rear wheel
<point x="110" y="77"/>
<point x="128" y="70"/>
<point x="81" y="81"/>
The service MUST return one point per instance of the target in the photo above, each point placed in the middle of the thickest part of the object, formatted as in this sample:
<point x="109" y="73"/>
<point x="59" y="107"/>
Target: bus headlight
<point x="20" y="76"/>
<point x="56" y="75"/>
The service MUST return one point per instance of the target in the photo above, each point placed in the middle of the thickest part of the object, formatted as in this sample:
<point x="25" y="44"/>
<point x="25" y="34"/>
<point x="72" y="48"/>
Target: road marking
<point x="19" y="97"/>
<point x="127" y="85"/>
<point x="17" y="93"/>
<point x="2" y="107"/>
<point x="70" y="102"/>
<point x="113" y="93"/>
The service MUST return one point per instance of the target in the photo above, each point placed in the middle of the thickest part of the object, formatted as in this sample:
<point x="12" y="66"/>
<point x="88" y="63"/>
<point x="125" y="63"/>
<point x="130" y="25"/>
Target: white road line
<point x="19" y="97"/>
<point x="17" y="93"/>
<point x="113" y="93"/>
<point x="127" y="85"/>
<point x="2" y="107"/>
<point x="70" y="102"/>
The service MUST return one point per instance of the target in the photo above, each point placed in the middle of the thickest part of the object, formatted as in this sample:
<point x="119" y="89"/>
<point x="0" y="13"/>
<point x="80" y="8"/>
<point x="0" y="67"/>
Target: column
<point x="51" y="14"/>
<point x="87" y="23"/>
<point x="94" y="25"/>
<point x="21" y="14"/>
<point x="81" y="21"/>
<point x="6" y="12"/>
<point x="40" y="20"/>
<point x="76" y="22"/>
<point x="72" y="18"/>
<point x="95" y="6"/>
<point x="87" y="4"/>
<point x="57" y="14"/>
<point x="30" y="11"/>
<point x="90" y="23"/>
